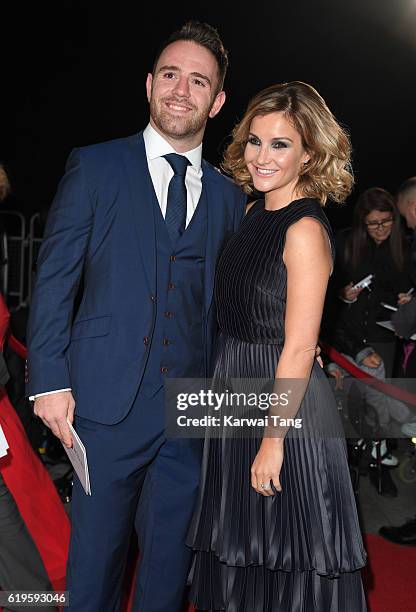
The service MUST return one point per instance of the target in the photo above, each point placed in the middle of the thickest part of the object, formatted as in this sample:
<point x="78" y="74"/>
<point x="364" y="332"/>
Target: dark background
<point x="74" y="74"/>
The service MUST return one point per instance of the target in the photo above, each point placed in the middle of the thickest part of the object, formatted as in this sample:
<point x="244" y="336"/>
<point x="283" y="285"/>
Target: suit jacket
<point x="100" y="231"/>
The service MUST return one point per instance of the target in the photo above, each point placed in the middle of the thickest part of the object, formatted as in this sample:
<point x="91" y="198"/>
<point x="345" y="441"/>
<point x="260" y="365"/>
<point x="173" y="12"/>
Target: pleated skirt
<point x="298" y="551"/>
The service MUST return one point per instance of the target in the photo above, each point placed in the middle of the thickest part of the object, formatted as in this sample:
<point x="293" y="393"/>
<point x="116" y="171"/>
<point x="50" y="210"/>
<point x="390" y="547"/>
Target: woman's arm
<point x="308" y="260"/>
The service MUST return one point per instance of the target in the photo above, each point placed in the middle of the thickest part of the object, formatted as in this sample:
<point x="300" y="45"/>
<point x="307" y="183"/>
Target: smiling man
<point x="140" y="221"/>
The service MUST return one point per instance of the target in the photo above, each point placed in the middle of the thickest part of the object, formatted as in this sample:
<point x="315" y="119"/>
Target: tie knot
<point x="178" y="163"/>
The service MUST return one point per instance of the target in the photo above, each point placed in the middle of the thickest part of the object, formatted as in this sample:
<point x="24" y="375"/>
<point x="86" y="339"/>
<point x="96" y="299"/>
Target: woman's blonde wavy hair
<point x="328" y="174"/>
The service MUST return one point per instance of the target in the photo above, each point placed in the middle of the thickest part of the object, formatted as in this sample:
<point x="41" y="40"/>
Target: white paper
<point x="389" y="306"/>
<point x="3" y="443"/>
<point x="389" y="325"/>
<point x="78" y="457"/>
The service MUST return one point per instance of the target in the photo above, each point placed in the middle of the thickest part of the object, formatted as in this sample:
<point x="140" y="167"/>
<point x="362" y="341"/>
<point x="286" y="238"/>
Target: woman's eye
<point x="279" y="145"/>
<point x="253" y="141"/>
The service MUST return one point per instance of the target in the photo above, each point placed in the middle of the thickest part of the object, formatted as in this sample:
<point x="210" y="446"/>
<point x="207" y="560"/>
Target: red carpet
<point x="390" y="576"/>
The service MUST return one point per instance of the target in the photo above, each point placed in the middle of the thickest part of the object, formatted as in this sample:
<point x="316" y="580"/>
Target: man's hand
<point x="54" y="409"/>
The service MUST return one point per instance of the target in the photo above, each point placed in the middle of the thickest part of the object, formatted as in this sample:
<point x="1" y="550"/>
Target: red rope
<point x="356" y="372"/>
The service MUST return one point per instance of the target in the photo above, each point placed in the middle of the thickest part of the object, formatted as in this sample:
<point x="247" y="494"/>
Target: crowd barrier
<point x="19" y="249"/>
<point x="396" y="392"/>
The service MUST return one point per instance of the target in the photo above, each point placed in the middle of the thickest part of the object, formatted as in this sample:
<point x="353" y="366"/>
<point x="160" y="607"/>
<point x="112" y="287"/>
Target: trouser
<point x="21" y="567"/>
<point x="140" y="482"/>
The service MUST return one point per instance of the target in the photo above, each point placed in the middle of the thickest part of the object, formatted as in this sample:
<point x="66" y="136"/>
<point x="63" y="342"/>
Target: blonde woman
<point x="275" y="527"/>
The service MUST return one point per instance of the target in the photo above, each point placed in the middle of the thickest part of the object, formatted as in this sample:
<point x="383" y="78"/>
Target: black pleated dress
<point x="299" y="550"/>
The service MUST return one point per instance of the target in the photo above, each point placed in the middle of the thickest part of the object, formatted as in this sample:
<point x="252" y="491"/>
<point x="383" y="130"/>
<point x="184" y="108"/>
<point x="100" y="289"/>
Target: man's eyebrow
<point x="173" y="68"/>
<point x="177" y="69"/>
<point x="202" y="76"/>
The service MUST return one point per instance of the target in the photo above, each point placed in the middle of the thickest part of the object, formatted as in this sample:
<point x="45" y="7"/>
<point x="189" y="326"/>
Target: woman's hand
<point x="349" y="294"/>
<point x="267" y="465"/>
<point x="318" y="355"/>
<point x="372" y="361"/>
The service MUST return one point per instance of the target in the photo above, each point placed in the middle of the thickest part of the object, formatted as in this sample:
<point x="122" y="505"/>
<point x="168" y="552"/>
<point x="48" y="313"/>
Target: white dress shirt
<point x="161" y="173"/>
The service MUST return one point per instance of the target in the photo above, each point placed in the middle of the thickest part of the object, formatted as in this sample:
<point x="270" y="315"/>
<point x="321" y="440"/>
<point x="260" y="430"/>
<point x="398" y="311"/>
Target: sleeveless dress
<point x="299" y="550"/>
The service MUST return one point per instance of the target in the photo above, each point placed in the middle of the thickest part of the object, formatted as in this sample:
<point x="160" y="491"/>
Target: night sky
<point x="74" y="74"/>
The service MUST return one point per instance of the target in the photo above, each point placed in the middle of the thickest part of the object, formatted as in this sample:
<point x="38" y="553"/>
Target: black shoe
<point x="404" y="535"/>
<point x="381" y="478"/>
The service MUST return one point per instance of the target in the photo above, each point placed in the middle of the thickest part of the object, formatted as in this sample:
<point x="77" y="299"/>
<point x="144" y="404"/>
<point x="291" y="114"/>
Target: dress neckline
<point x="283" y="207"/>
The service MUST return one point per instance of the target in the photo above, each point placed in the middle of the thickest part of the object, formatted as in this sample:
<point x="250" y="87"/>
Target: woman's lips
<point x="264" y="172"/>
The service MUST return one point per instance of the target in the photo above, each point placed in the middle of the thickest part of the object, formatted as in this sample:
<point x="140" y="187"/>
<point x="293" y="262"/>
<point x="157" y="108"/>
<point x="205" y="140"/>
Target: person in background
<point x="376" y="246"/>
<point x="404" y="320"/>
<point x="32" y="552"/>
<point x="405" y="324"/>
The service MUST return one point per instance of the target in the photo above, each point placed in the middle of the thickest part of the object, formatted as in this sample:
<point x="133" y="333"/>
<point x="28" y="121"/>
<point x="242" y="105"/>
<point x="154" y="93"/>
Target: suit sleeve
<point x="59" y="271"/>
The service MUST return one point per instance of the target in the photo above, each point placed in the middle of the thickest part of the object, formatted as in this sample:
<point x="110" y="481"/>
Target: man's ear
<point x="218" y="104"/>
<point x="149" y="82"/>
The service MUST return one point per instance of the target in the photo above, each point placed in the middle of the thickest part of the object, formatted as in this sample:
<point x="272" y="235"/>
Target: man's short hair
<point x="406" y="187"/>
<point x="205" y="35"/>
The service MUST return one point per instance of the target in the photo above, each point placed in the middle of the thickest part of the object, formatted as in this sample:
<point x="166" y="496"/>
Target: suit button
<point x="172" y="258"/>
<point x="163" y="370"/>
<point x="171" y="286"/>
<point x="146" y="340"/>
<point x="168" y="314"/>
<point x="166" y="341"/>
<point x="153" y="298"/>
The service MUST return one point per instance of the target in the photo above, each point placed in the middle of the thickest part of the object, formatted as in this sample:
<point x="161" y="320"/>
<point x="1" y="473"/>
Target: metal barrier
<point x="18" y="255"/>
<point x="13" y="260"/>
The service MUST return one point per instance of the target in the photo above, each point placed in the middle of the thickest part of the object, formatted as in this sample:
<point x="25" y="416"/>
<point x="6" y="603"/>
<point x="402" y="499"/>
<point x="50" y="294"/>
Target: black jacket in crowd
<point x="352" y="327"/>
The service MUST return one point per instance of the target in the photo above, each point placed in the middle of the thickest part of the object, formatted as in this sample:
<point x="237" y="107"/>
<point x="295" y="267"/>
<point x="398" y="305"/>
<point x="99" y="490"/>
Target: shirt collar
<point x="157" y="146"/>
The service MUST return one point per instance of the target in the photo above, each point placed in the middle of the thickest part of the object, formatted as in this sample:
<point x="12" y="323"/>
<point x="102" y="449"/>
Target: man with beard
<point x="140" y="222"/>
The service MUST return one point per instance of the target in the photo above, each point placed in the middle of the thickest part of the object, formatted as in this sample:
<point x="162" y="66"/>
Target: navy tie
<point x="176" y="207"/>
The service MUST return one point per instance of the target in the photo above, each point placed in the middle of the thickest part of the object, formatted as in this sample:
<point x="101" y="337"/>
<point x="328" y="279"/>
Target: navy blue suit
<point x="146" y="313"/>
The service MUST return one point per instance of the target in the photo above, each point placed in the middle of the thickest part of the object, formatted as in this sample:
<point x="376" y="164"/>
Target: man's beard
<point x="177" y="127"/>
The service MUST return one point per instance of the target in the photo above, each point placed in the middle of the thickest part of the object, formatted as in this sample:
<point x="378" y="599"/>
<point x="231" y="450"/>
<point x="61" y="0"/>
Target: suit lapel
<point x="141" y="200"/>
<point x="216" y="230"/>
